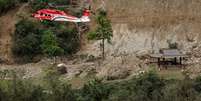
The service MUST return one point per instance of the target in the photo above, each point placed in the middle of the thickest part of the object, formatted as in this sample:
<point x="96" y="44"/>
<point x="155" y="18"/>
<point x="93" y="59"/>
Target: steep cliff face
<point x="148" y="25"/>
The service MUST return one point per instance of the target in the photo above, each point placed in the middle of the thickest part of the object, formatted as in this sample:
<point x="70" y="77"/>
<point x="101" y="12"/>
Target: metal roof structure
<point x="168" y="53"/>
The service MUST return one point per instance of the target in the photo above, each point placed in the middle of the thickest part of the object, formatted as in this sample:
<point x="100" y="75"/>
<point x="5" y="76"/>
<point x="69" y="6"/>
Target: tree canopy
<point x="103" y="31"/>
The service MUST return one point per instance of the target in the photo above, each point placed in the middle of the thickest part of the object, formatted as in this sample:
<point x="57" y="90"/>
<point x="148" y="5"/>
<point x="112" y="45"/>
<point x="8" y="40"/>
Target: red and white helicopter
<point x="57" y="15"/>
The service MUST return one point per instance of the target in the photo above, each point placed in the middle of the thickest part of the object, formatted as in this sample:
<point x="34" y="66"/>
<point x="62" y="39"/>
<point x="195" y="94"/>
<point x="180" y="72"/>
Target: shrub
<point x="41" y="4"/>
<point x="31" y="39"/>
<point x="180" y="91"/>
<point x="148" y="87"/>
<point x="6" y="5"/>
<point x="68" y="40"/>
<point x="49" y="44"/>
<point x="197" y="84"/>
<point x="172" y="45"/>
<point x="58" y="91"/>
<point x="26" y="39"/>
<point x="95" y="90"/>
<point x="17" y="89"/>
<point x="38" y="4"/>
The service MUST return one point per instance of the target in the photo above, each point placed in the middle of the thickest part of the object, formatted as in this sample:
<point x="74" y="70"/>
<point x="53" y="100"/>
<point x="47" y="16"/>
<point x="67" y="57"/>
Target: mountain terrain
<point x="140" y="27"/>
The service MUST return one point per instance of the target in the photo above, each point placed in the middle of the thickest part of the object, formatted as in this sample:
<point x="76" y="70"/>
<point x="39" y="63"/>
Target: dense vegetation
<point x="146" y="87"/>
<point x="26" y="39"/>
<point x="6" y="5"/>
<point x="49" y="44"/>
<point x="40" y="4"/>
<point x="47" y="38"/>
<point x="32" y="38"/>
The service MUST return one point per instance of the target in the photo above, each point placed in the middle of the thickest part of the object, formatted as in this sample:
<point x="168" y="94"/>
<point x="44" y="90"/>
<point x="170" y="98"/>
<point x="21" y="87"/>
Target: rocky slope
<point x="148" y="25"/>
<point x="142" y="27"/>
<point x="145" y="26"/>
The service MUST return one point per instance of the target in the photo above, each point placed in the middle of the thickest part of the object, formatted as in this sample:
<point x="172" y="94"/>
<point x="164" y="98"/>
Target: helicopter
<point x="58" y="15"/>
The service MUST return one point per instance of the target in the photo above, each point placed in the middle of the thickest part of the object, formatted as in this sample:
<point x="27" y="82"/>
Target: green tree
<point x="181" y="91"/>
<point x="95" y="90"/>
<point x="41" y="4"/>
<point x="26" y="40"/>
<point x="197" y="84"/>
<point x="103" y="31"/>
<point x="58" y="90"/>
<point x="68" y="40"/>
<point x="149" y="87"/>
<point x="49" y="44"/>
<point x="6" y="5"/>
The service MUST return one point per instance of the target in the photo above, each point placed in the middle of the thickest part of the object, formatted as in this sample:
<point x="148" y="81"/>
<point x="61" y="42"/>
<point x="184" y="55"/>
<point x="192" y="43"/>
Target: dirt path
<point x="7" y="28"/>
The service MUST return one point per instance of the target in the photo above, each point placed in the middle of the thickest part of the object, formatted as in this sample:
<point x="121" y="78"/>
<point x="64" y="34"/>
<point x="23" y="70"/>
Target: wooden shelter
<point x="169" y="57"/>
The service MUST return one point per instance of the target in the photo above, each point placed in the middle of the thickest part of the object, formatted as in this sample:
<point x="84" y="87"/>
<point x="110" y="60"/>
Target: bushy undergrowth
<point x="41" y="4"/>
<point x="48" y="38"/>
<point x="147" y="87"/>
<point x="49" y="44"/>
<point x="6" y="5"/>
<point x="26" y="40"/>
<point x="68" y="40"/>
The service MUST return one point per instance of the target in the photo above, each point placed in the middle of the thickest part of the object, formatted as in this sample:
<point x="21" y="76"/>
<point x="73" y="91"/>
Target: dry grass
<point x="153" y="12"/>
<point x="172" y="74"/>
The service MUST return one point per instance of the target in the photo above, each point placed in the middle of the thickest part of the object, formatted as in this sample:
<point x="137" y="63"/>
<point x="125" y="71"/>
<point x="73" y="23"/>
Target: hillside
<point x="149" y="25"/>
<point x="43" y="60"/>
<point x="140" y="27"/>
<point x="6" y="29"/>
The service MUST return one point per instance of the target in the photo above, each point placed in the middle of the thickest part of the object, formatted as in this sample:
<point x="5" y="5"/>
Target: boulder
<point x="62" y="68"/>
